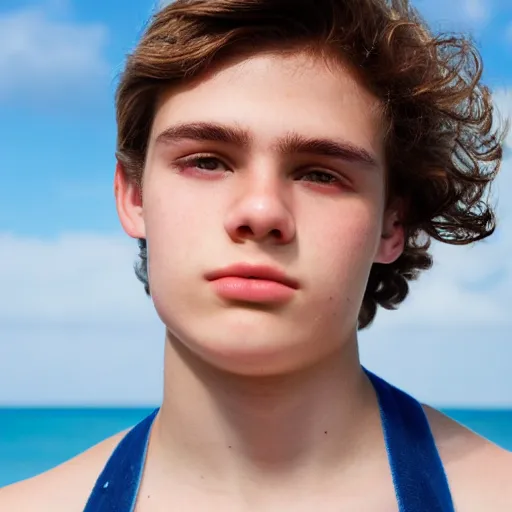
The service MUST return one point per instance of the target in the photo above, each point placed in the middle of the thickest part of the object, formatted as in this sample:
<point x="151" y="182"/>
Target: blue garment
<point x="418" y="475"/>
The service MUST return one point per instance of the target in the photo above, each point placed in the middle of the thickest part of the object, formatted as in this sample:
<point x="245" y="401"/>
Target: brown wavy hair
<point x="443" y="149"/>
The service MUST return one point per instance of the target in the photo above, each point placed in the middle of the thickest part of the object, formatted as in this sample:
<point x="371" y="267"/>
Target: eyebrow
<point x="204" y="132"/>
<point x="295" y="143"/>
<point x="291" y="143"/>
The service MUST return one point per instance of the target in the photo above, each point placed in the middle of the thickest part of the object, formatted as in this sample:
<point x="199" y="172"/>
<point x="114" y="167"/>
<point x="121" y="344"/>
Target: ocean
<point x="35" y="440"/>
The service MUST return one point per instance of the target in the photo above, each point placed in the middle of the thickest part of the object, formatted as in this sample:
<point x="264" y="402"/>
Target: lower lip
<point x="252" y="290"/>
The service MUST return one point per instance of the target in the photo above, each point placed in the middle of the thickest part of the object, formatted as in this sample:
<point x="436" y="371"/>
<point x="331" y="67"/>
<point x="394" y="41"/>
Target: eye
<point x="320" y="177"/>
<point x="206" y="163"/>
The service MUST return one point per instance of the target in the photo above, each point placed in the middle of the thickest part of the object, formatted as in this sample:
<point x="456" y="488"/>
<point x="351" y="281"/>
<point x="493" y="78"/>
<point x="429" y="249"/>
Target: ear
<point x="392" y="241"/>
<point x="128" y="196"/>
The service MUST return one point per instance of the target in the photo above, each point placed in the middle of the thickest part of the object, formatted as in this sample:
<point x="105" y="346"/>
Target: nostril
<point x="249" y="233"/>
<point x="276" y="233"/>
<point x="244" y="231"/>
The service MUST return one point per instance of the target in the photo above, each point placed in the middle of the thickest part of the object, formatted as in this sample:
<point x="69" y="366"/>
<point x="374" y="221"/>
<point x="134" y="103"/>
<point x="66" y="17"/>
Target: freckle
<point x="229" y="446"/>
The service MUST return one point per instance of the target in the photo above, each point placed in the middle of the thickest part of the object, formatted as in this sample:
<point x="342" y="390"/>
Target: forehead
<point x="272" y="94"/>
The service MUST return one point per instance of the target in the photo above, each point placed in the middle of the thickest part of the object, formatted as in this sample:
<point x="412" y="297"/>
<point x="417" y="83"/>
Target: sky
<point x="76" y="327"/>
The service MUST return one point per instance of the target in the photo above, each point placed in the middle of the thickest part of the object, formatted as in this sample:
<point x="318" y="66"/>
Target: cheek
<point x="175" y="227"/>
<point x="340" y="255"/>
<point x="347" y="237"/>
<point x="174" y="210"/>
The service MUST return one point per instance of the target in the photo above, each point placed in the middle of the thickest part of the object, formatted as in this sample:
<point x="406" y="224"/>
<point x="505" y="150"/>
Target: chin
<point x="253" y="345"/>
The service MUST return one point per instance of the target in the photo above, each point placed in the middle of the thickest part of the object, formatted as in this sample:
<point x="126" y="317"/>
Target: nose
<point x="259" y="212"/>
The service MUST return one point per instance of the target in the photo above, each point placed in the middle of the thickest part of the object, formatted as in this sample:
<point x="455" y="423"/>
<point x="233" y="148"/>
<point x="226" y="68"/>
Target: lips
<point x="248" y="271"/>
<point x="244" y="283"/>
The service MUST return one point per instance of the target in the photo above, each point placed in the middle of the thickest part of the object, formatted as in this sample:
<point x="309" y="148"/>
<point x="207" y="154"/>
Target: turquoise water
<point x="34" y="440"/>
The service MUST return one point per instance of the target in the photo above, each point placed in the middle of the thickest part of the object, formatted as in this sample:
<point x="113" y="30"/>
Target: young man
<point x="284" y="165"/>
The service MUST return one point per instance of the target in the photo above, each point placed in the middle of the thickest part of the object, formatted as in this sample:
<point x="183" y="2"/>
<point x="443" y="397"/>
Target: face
<point x="270" y="167"/>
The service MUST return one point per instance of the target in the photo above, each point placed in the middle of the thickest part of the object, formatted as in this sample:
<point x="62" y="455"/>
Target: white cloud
<point x="508" y="33"/>
<point x="459" y="366"/>
<point x="503" y="101"/>
<point x="86" y="364"/>
<point x="163" y="3"/>
<point x="477" y="10"/>
<point x="75" y="323"/>
<point x="74" y="279"/>
<point x="456" y="14"/>
<point x="40" y="56"/>
<point x="60" y="6"/>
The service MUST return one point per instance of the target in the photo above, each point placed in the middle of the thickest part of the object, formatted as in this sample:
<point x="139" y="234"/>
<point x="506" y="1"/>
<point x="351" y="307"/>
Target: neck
<point x="223" y="425"/>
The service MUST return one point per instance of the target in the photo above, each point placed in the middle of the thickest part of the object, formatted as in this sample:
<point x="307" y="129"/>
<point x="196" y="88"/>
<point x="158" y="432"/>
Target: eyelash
<point x="192" y="161"/>
<point x="196" y="159"/>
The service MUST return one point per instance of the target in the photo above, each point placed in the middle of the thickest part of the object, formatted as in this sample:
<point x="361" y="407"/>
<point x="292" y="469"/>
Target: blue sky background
<point x="74" y="322"/>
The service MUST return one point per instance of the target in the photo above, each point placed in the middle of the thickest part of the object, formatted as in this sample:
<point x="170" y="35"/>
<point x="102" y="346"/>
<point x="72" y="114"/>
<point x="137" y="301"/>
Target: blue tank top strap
<point x="419" y="478"/>
<point x="118" y="484"/>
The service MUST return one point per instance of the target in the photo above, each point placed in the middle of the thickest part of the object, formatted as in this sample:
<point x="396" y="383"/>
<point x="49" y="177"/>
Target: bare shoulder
<point x="479" y="472"/>
<point x="64" y="488"/>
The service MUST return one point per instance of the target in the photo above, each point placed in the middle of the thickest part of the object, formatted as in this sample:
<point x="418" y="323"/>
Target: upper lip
<point x="248" y="270"/>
